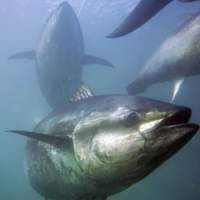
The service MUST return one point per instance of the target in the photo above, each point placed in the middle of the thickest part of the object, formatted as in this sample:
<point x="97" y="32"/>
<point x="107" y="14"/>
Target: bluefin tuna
<point x="178" y="57"/>
<point x="60" y="58"/>
<point x="102" y="145"/>
<point x="142" y="13"/>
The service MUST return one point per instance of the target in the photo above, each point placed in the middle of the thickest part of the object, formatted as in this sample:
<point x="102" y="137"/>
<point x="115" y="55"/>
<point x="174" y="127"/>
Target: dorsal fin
<point x="83" y="92"/>
<point x="54" y="140"/>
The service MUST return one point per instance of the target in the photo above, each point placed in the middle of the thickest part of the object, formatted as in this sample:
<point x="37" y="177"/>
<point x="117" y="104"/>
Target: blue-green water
<point x="22" y="104"/>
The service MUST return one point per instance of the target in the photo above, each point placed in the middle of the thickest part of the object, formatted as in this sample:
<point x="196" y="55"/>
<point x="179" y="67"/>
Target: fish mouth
<point x="181" y="116"/>
<point x="171" y="135"/>
<point x="178" y="124"/>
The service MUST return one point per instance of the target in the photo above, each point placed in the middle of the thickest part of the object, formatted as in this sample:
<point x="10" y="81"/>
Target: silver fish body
<point x="102" y="145"/>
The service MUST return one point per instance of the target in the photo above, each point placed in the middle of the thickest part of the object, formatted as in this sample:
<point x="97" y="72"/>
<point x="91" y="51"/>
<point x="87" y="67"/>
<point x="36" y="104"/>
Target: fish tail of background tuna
<point x="136" y="87"/>
<point x="142" y="13"/>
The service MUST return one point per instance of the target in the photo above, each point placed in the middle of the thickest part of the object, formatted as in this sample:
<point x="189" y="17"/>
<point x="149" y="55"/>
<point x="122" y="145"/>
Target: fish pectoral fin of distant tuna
<point x="54" y="140"/>
<point x="30" y="55"/>
<point x="177" y="86"/>
<point x="89" y="59"/>
<point x="83" y="92"/>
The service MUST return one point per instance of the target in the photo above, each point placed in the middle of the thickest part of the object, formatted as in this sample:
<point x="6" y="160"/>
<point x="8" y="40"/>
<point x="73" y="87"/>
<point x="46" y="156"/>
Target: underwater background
<point x="22" y="104"/>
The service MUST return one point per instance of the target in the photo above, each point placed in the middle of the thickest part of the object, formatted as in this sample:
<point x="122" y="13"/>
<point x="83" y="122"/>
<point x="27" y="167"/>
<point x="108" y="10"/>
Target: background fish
<point x="60" y="57"/>
<point x="177" y="58"/>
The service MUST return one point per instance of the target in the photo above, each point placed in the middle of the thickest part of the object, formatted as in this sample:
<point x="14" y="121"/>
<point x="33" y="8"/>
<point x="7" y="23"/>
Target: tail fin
<point x="177" y="86"/>
<point x="135" y="88"/>
<point x="23" y="55"/>
<point x="143" y="12"/>
<point x="89" y="59"/>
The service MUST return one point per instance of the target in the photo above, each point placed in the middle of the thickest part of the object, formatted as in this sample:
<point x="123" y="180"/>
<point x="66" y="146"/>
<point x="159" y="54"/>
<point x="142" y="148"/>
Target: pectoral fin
<point x="30" y="55"/>
<point x="54" y="140"/>
<point x="83" y="92"/>
<point x="89" y="59"/>
<point x="176" y="88"/>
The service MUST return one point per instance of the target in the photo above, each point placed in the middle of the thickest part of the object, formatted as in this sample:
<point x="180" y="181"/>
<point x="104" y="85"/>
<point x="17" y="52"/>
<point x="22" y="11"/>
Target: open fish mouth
<point x="176" y="128"/>
<point x="181" y="116"/>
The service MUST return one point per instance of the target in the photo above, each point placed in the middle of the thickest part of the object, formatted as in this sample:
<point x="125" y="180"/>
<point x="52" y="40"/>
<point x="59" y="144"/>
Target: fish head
<point x="62" y="11"/>
<point x="60" y="20"/>
<point x="124" y="144"/>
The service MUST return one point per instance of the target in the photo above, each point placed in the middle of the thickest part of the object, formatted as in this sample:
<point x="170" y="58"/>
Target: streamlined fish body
<point x="60" y="57"/>
<point x="178" y="57"/>
<point x="96" y="147"/>
<point x="140" y="15"/>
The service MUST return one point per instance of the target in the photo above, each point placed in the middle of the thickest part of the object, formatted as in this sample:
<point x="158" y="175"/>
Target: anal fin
<point x="83" y="92"/>
<point x="176" y="88"/>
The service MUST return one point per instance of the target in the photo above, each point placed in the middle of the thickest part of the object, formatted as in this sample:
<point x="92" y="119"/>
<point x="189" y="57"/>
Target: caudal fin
<point x="89" y="59"/>
<point x="143" y="12"/>
<point x="30" y="55"/>
<point x="135" y="88"/>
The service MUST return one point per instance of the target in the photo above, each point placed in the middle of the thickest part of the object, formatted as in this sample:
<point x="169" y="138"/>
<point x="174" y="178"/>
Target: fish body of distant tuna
<point x="100" y="146"/>
<point x="60" y="57"/>
<point x="178" y="57"/>
<point x="143" y="12"/>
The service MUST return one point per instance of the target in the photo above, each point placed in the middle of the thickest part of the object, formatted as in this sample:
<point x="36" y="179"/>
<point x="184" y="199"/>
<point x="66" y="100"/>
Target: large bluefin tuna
<point x="143" y="12"/>
<point x="60" y="57"/>
<point x="102" y="145"/>
<point x="177" y="58"/>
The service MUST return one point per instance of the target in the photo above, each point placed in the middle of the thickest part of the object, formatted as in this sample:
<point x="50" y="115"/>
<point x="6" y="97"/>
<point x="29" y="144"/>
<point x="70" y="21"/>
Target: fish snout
<point x="180" y="115"/>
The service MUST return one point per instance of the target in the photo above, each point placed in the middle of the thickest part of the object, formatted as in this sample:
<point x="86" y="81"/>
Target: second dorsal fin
<point x="83" y="92"/>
